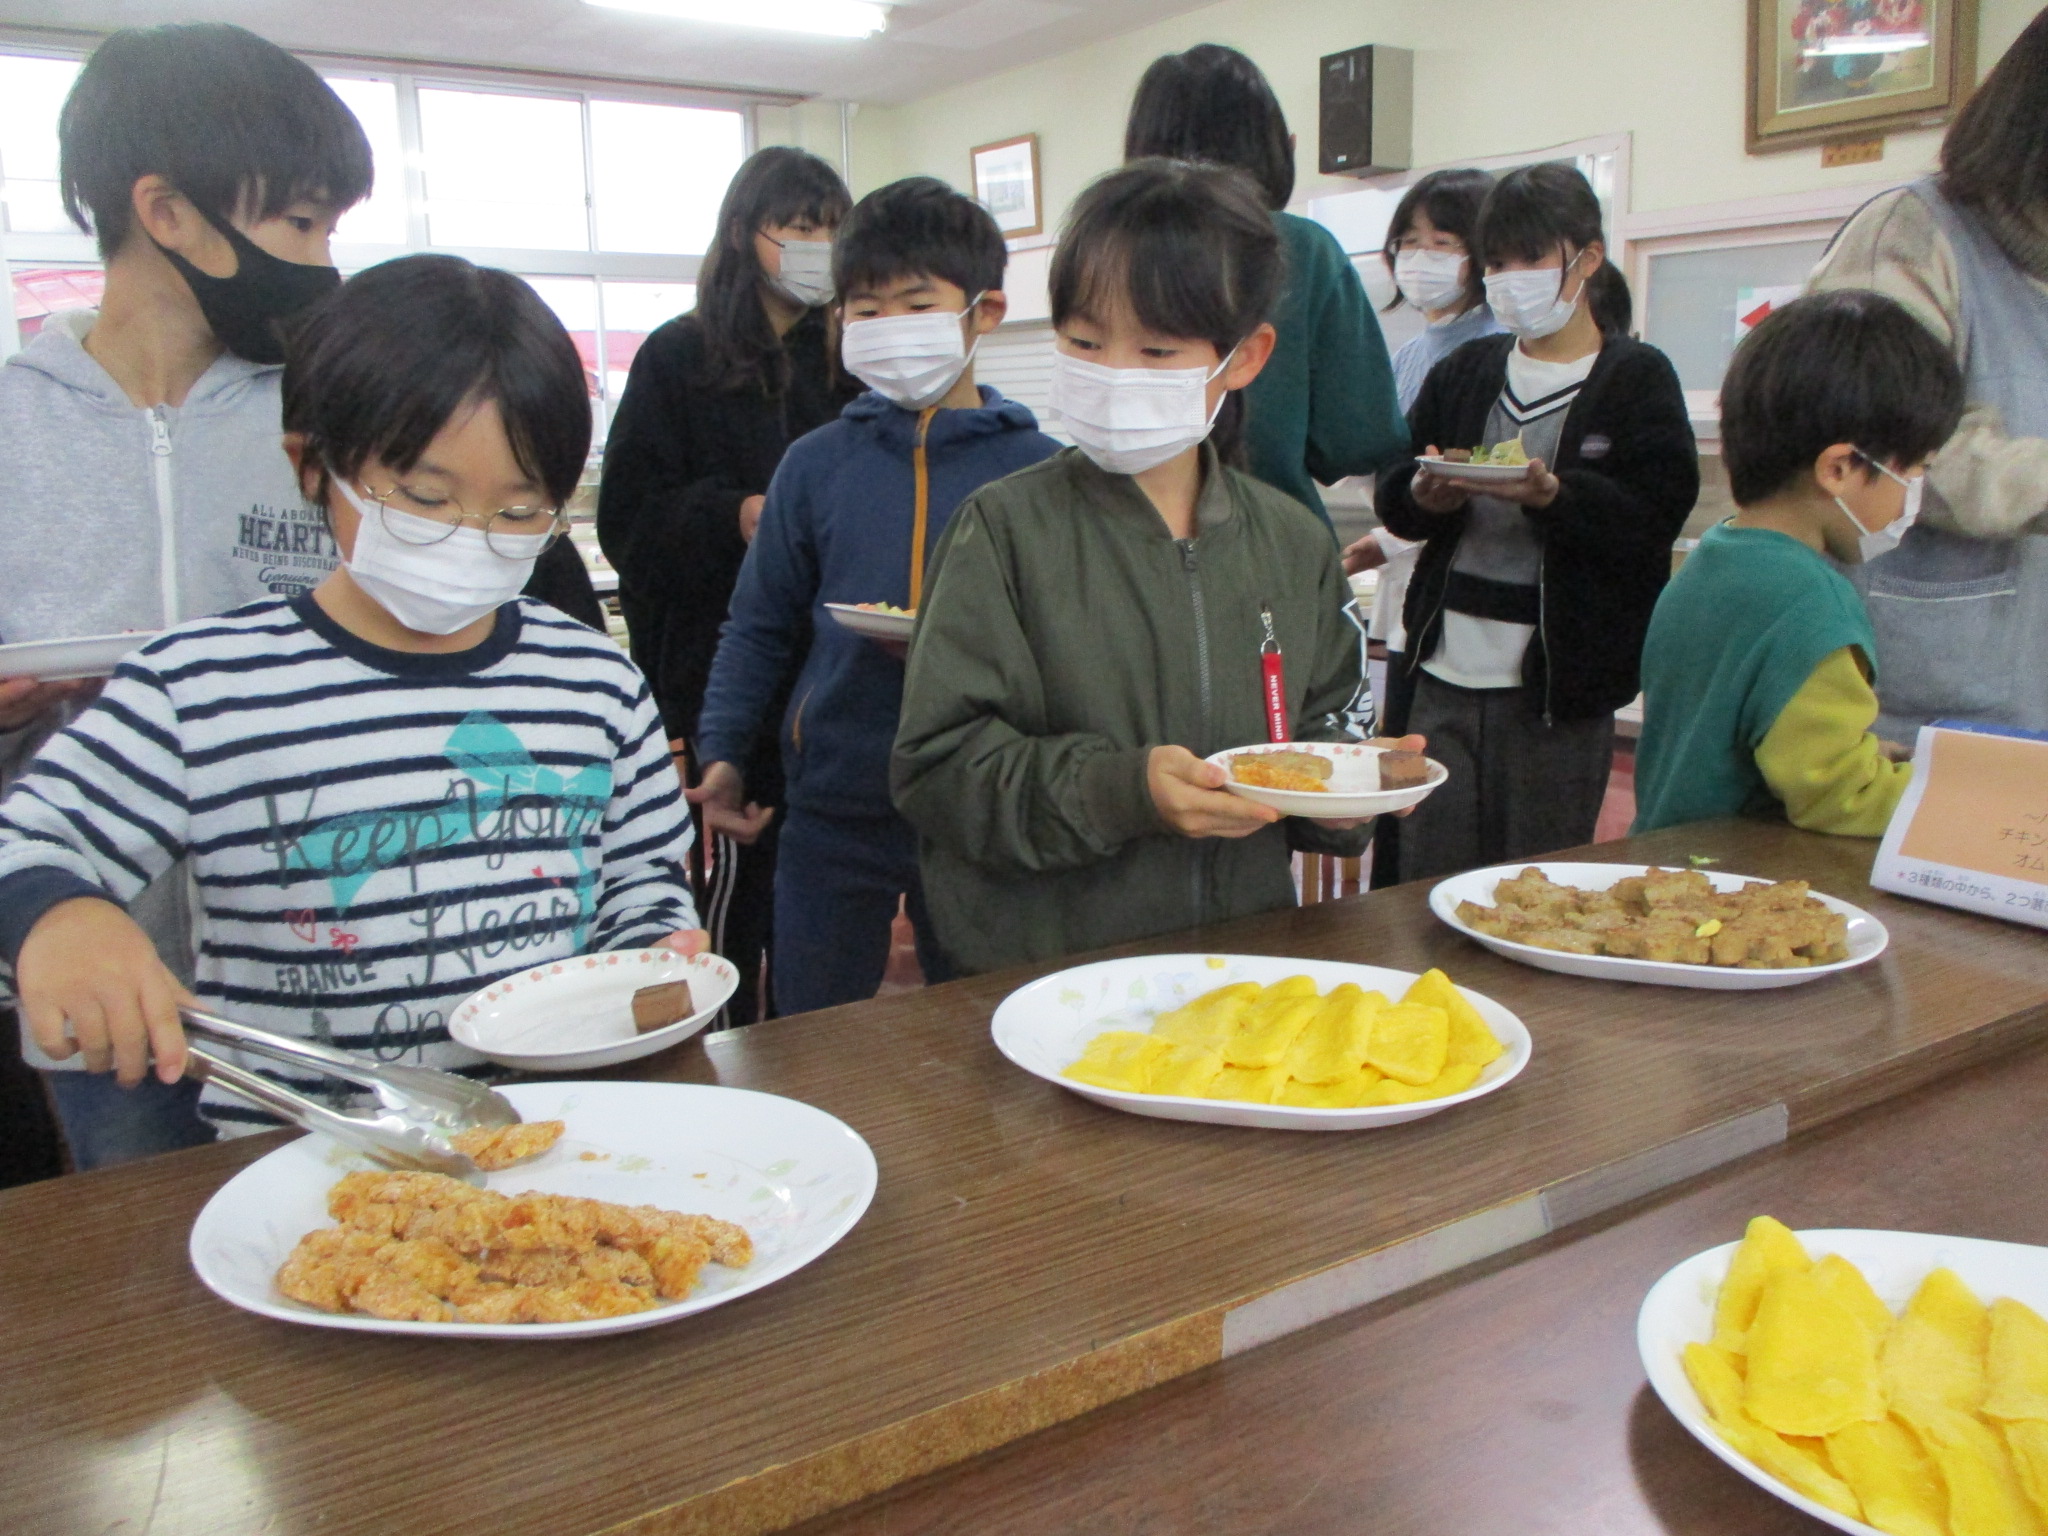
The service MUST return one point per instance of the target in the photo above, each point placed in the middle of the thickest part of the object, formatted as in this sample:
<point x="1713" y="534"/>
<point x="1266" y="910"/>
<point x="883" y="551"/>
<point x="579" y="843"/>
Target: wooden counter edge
<point x="778" y="1497"/>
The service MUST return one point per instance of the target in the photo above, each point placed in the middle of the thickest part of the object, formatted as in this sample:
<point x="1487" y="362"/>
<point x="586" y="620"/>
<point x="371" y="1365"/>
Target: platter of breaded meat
<point x="614" y="1206"/>
<point x="1669" y="927"/>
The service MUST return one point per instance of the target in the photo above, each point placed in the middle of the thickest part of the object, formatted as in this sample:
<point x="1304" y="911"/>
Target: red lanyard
<point x="1273" y="677"/>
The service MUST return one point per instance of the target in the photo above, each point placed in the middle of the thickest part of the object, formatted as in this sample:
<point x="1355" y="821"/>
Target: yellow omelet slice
<point x="2027" y="1440"/>
<point x="1119" y="1058"/>
<point x="1812" y="1363"/>
<point x="1844" y="1281"/>
<point x="1410" y="1042"/>
<point x="1450" y="1080"/>
<point x="1715" y="1377"/>
<point x="1345" y="1093"/>
<point x="1249" y="1085"/>
<point x="1935" y="1352"/>
<point x="1767" y="1247"/>
<point x="1332" y="1048"/>
<point x="1268" y="1030"/>
<point x="1185" y="1070"/>
<point x="2016" y="1363"/>
<point x="1881" y="1461"/>
<point x="1984" y="1493"/>
<point x="1210" y="1019"/>
<point x="1471" y="1042"/>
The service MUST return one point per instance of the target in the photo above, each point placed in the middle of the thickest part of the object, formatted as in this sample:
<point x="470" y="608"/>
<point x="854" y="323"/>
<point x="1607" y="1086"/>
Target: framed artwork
<point x="1006" y="184"/>
<point x="1836" y="69"/>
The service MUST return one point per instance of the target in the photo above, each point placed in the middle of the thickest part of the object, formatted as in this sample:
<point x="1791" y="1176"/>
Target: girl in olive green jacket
<point x="1094" y="624"/>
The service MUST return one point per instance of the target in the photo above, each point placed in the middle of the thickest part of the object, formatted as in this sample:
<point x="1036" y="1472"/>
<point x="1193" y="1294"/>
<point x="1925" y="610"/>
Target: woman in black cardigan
<point x="713" y="399"/>
<point x="1529" y="603"/>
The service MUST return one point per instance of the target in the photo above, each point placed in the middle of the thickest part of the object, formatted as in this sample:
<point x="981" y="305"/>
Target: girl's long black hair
<point x="1190" y="249"/>
<point x="1537" y="209"/>
<point x="1212" y="103"/>
<point x="1450" y="200"/>
<point x="1995" y="158"/>
<point x="778" y="185"/>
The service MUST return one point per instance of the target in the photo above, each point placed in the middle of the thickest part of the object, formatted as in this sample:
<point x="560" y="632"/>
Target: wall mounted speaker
<point x="1367" y="119"/>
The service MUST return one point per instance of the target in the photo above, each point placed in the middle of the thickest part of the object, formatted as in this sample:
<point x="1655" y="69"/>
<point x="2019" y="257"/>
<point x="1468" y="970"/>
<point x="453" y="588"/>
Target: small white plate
<point x="876" y="626"/>
<point x="58" y="661"/>
<point x="1044" y="1028"/>
<point x="1354" y="782"/>
<point x="573" y="1015"/>
<point x="796" y="1178"/>
<point x="1679" y="1310"/>
<point x="1867" y="936"/>
<point x="1476" y="474"/>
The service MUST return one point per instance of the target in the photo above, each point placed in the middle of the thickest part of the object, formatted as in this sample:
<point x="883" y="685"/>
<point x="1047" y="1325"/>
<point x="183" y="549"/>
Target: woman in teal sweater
<point x="1324" y="407"/>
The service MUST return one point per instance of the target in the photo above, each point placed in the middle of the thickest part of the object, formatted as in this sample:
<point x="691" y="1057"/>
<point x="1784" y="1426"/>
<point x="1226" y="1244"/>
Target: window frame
<point x="409" y="77"/>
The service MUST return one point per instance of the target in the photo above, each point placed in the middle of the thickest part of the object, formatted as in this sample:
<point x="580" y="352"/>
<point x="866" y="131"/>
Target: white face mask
<point x="806" y="276"/>
<point x="912" y="359"/>
<point x="435" y="588"/>
<point x="1129" y="420"/>
<point x="1872" y="543"/>
<point x="1532" y="304"/>
<point x="1430" y="280"/>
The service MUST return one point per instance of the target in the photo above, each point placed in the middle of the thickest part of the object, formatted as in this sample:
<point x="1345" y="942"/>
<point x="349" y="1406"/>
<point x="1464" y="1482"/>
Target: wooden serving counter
<point x="1029" y="1256"/>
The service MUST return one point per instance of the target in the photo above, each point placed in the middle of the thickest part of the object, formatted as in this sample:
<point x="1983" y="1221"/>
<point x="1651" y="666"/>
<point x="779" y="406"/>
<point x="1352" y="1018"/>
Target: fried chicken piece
<point x="529" y="1267"/>
<point x="429" y="1262"/>
<point x="582" y="1301"/>
<point x="387" y="1294"/>
<point x="434" y="1191"/>
<point x="492" y="1304"/>
<point x="619" y="1266"/>
<point x="1492" y="921"/>
<point x="1568" y="941"/>
<point x="327" y="1266"/>
<point x="1674" y="939"/>
<point x="1535" y="892"/>
<point x="676" y="1260"/>
<point x="1627" y="893"/>
<point x="500" y="1146"/>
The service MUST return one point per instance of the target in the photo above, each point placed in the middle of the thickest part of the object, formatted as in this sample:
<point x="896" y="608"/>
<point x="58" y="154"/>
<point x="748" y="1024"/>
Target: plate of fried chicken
<point x="1669" y="927"/>
<point x="651" y="1202"/>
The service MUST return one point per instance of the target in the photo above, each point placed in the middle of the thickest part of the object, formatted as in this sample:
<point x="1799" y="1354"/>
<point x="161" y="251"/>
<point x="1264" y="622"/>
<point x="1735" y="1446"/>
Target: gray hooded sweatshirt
<point x="113" y="517"/>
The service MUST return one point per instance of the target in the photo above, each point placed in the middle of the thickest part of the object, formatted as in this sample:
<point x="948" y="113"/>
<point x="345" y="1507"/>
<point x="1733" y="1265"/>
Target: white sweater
<point x="373" y="834"/>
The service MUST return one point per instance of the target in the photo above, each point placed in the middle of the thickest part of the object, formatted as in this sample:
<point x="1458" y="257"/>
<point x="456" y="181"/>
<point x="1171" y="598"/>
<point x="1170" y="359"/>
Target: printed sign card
<point x="1972" y="829"/>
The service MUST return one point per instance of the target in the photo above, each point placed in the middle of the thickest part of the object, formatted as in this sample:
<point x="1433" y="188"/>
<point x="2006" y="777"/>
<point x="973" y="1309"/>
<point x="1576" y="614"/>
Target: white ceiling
<point x="929" y="45"/>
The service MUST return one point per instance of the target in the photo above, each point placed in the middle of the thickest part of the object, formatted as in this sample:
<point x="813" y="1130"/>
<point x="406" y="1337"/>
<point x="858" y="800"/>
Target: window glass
<point x="43" y="291"/>
<point x="631" y="311"/>
<point x="661" y="173"/>
<point x="378" y="219"/>
<point x="574" y="301"/>
<point x="503" y="170"/>
<point x="31" y="92"/>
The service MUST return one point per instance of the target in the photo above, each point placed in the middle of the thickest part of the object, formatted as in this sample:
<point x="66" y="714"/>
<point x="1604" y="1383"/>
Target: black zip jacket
<point x="1629" y="473"/>
<point x="681" y="457"/>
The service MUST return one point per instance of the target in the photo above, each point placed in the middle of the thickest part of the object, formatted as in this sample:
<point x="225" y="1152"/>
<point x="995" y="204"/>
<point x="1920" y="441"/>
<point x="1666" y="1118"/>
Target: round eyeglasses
<point x="420" y="517"/>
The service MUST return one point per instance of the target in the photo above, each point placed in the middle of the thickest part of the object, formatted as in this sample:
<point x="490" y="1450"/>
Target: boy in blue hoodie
<point x="853" y="515"/>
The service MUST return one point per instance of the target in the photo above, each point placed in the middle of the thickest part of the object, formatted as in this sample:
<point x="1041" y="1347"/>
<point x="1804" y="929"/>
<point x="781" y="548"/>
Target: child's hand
<point x="723" y="795"/>
<point x="686" y="941"/>
<point x="24" y="700"/>
<point x="1365" y="555"/>
<point x="1192" y="800"/>
<point x="750" y="516"/>
<point x="87" y="962"/>
<point x="1537" y="488"/>
<point x="1433" y="493"/>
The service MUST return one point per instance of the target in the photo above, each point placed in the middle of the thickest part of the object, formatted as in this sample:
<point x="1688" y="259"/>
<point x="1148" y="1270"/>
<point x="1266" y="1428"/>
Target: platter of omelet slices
<point x="1883" y="1382"/>
<point x="1262" y="1041"/>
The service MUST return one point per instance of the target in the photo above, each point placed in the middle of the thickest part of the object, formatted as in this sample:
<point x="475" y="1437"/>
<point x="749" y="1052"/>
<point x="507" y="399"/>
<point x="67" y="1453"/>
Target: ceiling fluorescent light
<point x="825" y="18"/>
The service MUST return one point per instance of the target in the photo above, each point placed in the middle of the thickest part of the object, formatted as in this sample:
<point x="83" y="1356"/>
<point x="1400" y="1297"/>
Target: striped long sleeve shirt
<point x="373" y="834"/>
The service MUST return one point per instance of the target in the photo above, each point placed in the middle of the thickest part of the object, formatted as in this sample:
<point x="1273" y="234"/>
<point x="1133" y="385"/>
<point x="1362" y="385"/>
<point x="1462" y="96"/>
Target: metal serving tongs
<point x="419" y="1107"/>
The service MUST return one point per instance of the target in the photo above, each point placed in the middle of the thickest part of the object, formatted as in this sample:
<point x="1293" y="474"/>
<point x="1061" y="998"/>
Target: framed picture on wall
<point x="1006" y="184"/>
<point x="1839" y="69"/>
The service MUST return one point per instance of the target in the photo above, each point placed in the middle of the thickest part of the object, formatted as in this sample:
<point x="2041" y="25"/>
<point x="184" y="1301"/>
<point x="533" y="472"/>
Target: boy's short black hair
<point x="918" y="227"/>
<point x="381" y="365"/>
<point x="1847" y="366"/>
<point x="1213" y="104"/>
<point x="232" y="121"/>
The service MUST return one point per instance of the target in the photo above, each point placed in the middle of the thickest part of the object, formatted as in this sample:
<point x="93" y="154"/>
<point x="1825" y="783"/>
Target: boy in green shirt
<point x="1758" y="666"/>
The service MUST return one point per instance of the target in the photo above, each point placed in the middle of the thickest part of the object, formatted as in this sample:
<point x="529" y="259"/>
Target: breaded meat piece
<point x="500" y="1146"/>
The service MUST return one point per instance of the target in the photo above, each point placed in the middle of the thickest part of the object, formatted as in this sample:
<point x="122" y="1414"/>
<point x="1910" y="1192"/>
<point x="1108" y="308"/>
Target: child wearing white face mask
<point x="392" y="790"/>
<point x="1758" y="670"/>
<point x="1096" y="623"/>
<point x="1526" y="613"/>
<point x="853" y="514"/>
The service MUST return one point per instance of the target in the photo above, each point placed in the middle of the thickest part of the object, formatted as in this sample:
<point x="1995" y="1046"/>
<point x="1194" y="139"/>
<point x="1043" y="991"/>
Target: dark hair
<point x="1537" y="209"/>
<point x="1190" y="248"/>
<point x="1996" y="154"/>
<point x="235" y="123"/>
<point x="1213" y="104"/>
<point x="381" y="365"/>
<point x="918" y="227"/>
<point x="778" y="185"/>
<point x="1845" y="366"/>
<point x="1451" y="201"/>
